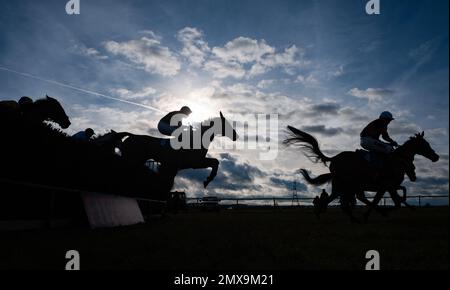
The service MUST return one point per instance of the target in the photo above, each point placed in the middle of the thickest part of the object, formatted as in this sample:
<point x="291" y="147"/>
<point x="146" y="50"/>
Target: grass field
<point x="252" y="239"/>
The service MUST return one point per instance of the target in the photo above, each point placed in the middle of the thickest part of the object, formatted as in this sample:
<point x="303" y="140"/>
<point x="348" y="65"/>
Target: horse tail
<point x="307" y="142"/>
<point x="321" y="179"/>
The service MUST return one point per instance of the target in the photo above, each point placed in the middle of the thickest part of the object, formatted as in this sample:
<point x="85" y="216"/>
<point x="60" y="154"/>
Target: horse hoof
<point x="205" y="183"/>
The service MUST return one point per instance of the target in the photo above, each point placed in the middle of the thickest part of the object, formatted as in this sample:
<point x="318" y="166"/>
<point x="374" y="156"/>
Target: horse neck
<point x="216" y="126"/>
<point x="406" y="152"/>
<point x="39" y="110"/>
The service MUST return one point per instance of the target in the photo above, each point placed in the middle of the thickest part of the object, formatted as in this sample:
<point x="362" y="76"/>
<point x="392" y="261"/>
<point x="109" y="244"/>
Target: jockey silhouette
<point x="371" y="142"/>
<point x="85" y="135"/>
<point x="173" y="121"/>
<point x="370" y="136"/>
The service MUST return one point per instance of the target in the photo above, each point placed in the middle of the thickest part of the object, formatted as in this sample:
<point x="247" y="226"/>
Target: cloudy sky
<point x="324" y="66"/>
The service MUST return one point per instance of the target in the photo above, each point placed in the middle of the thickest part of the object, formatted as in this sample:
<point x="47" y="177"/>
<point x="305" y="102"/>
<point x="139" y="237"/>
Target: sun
<point x="199" y="95"/>
<point x="200" y="112"/>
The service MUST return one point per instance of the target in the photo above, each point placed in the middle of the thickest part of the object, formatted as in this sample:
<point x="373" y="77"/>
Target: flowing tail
<point x="321" y="179"/>
<point x="307" y="142"/>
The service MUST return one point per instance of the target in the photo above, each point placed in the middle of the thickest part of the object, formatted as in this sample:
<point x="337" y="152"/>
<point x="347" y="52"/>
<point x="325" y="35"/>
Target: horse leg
<point x="167" y="174"/>
<point x="376" y="200"/>
<point x="205" y="163"/>
<point x="404" y="198"/>
<point x="396" y="198"/>
<point x="334" y="194"/>
<point x="214" y="164"/>
<point x="347" y="200"/>
<point x="322" y="205"/>
<point x="362" y="197"/>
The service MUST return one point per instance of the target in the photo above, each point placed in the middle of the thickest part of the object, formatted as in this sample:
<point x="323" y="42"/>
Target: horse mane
<point x="416" y="136"/>
<point x="42" y="101"/>
<point x="208" y="122"/>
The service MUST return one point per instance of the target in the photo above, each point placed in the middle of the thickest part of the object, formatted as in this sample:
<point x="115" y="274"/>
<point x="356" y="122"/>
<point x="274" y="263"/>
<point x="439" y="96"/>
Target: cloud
<point x="339" y="72"/>
<point x="371" y="94"/>
<point x="321" y="129"/>
<point x="353" y="115"/>
<point x="195" y="49"/>
<point x="404" y="128"/>
<point x="148" y="53"/>
<point x="264" y="84"/>
<point x="130" y="95"/>
<point x="221" y="70"/>
<point x="310" y="80"/>
<point x="243" y="50"/>
<point x="423" y="52"/>
<point x="329" y="108"/>
<point x="287" y="58"/>
<point x="289" y="184"/>
<point x="88" y="51"/>
<point x="102" y="118"/>
<point x="248" y="57"/>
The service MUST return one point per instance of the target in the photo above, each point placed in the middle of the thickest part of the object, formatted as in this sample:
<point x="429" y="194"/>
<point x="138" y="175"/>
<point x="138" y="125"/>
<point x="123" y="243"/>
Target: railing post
<point x="420" y="203"/>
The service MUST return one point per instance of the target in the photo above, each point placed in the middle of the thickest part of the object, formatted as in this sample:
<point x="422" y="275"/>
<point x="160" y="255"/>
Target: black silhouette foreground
<point x="140" y="148"/>
<point x="351" y="175"/>
<point x="34" y="151"/>
<point x="25" y="110"/>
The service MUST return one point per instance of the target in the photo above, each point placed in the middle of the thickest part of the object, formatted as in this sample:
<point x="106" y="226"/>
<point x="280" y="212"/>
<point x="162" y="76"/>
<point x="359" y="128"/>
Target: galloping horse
<point x="351" y="175"/>
<point x="46" y="109"/>
<point x="139" y="148"/>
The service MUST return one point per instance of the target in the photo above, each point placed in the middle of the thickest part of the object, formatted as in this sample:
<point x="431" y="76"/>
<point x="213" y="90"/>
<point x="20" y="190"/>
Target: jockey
<point x="25" y="101"/>
<point x="172" y="121"/>
<point x="85" y="135"/>
<point x="26" y="106"/>
<point x="370" y="136"/>
<point x="370" y="140"/>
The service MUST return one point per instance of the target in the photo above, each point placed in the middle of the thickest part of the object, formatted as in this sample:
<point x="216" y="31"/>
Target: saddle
<point x="375" y="160"/>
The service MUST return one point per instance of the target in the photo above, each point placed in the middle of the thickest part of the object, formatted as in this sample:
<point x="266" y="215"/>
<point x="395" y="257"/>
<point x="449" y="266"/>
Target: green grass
<point x="250" y="239"/>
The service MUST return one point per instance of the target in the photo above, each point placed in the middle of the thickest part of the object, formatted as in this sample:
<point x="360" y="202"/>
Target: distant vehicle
<point x="210" y="203"/>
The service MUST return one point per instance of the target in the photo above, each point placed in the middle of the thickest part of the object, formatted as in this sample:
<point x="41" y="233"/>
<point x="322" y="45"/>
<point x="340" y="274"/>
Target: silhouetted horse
<point x="139" y="149"/>
<point x="46" y="109"/>
<point x="351" y="175"/>
<point x="110" y="141"/>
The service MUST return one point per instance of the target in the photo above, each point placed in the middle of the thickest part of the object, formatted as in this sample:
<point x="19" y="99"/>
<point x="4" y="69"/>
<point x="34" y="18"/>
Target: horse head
<point x="421" y="146"/>
<point x="55" y="112"/>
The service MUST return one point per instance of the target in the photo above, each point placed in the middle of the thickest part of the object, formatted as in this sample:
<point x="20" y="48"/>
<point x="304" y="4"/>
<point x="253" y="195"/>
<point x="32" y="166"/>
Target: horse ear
<point x="423" y="133"/>
<point x="48" y="98"/>
<point x="221" y="115"/>
<point x="112" y="131"/>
